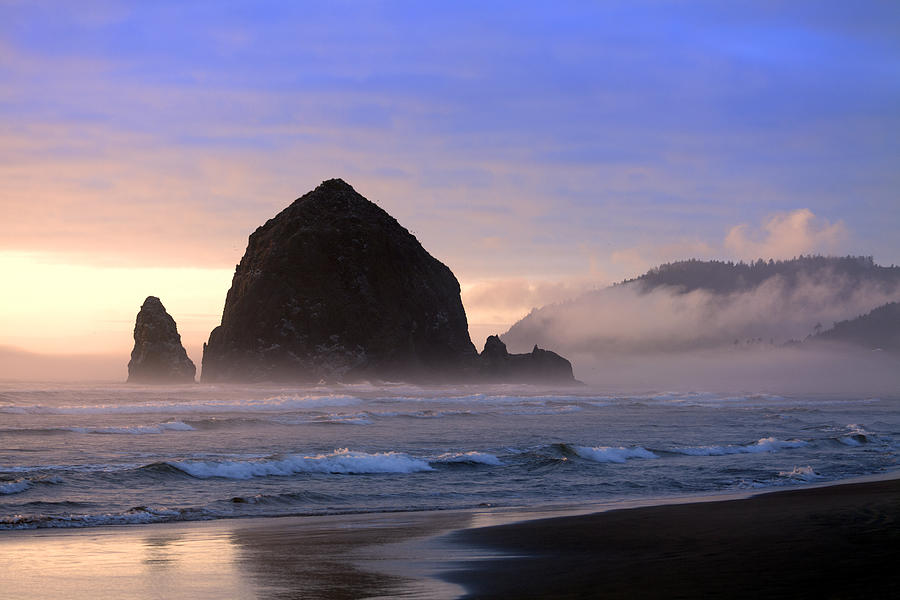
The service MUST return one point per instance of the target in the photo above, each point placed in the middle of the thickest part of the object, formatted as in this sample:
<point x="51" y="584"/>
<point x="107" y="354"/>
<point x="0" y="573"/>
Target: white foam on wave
<point x="341" y="461"/>
<point x="494" y="399"/>
<point x="425" y="413"/>
<point x="541" y="410"/>
<point x="769" y="444"/>
<point x="283" y="402"/>
<point x="711" y="399"/>
<point x="802" y="473"/>
<point x="601" y="402"/>
<point x="14" y="487"/>
<point x="607" y="454"/>
<point x="327" y="419"/>
<point x="483" y="458"/>
<point x="850" y="441"/>
<point x="134" y="429"/>
<point x="85" y="468"/>
<point x="135" y="516"/>
<point x="856" y="435"/>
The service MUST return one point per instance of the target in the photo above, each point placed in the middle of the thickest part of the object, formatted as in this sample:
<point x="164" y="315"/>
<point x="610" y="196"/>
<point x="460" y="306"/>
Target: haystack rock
<point x="158" y="356"/>
<point x="544" y="366"/>
<point x="333" y="288"/>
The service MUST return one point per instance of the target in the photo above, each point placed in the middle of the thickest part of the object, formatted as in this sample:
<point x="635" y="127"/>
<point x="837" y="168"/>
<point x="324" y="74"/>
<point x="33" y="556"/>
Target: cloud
<point x="786" y="235"/>
<point x="535" y="152"/>
<point x="623" y="319"/>
<point x="503" y="301"/>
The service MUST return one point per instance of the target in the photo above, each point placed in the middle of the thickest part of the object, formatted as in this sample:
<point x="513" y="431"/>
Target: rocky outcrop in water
<point x="158" y="356"/>
<point x="497" y="364"/>
<point x="334" y="288"/>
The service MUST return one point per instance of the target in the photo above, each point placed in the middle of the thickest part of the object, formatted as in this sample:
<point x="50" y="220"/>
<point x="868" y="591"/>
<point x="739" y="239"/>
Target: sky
<point x="538" y="149"/>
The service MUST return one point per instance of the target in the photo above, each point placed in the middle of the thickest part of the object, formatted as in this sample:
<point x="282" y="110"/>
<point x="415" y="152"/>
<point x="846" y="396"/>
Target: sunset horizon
<point x="536" y="156"/>
<point x="399" y="299"/>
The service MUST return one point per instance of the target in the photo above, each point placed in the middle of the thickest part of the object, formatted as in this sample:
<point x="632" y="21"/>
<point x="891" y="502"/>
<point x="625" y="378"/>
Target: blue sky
<point x="536" y="148"/>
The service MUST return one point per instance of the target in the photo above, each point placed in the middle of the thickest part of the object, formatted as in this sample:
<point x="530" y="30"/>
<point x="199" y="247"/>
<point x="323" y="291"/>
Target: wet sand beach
<point x="839" y="541"/>
<point x="333" y="557"/>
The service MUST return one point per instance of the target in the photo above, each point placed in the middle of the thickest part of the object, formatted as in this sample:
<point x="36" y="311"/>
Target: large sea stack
<point x="333" y="288"/>
<point x="158" y="356"/>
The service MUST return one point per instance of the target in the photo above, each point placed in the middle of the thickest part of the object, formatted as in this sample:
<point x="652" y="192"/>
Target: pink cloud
<point x="786" y="235"/>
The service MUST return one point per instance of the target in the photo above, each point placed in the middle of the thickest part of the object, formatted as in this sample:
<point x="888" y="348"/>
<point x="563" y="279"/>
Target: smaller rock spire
<point x="158" y="356"/>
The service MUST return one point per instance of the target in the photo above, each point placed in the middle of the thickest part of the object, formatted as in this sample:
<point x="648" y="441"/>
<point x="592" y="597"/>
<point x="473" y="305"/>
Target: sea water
<point x="88" y="455"/>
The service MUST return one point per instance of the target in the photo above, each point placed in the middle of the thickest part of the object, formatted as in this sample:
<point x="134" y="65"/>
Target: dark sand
<point x="840" y="541"/>
<point x="828" y="542"/>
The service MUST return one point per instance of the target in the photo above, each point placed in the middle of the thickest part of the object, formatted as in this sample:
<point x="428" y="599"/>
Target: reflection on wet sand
<point x="161" y="550"/>
<point x="334" y="558"/>
<point x="134" y="562"/>
<point x="344" y="557"/>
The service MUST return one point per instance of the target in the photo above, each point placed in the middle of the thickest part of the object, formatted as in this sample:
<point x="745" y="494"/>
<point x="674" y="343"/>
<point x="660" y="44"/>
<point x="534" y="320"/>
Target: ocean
<point x="79" y="455"/>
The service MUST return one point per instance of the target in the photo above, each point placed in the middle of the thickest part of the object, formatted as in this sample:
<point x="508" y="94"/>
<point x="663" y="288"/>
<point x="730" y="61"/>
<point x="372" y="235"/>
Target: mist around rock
<point x="677" y="312"/>
<point x="158" y="355"/>
<point x="716" y="325"/>
<point x="17" y="364"/>
<point x="324" y="294"/>
<point x="334" y="289"/>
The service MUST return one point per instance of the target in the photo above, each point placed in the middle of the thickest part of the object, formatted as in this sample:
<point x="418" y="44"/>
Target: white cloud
<point x="624" y="319"/>
<point x="786" y="235"/>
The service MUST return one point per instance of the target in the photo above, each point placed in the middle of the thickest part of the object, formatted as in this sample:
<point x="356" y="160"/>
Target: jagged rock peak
<point x="544" y="366"/>
<point x="334" y="288"/>
<point x="158" y="356"/>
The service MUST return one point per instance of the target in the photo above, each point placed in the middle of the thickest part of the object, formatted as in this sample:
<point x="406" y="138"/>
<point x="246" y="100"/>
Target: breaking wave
<point x="17" y="486"/>
<point x="610" y="454"/>
<point x="14" y="487"/>
<point x="341" y="461"/>
<point x="769" y="444"/>
<point x="328" y="419"/>
<point x="471" y="458"/>
<point x="134" y="429"/>
<point x="801" y="473"/>
<point x="856" y="435"/>
<point x="287" y="498"/>
<point x="139" y="515"/>
<point x="284" y="402"/>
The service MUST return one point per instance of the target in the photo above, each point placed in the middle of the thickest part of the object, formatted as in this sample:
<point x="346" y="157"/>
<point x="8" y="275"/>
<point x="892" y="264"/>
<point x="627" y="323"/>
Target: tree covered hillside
<point x="728" y="277"/>
<point x="696" y="304"/>
<point x="876" y="330"/>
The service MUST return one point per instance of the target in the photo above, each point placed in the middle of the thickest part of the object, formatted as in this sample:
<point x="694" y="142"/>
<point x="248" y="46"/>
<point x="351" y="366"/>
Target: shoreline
<point x="840" y="541"/>
<point x="485" y="516"/>
<point x="631" y="548"/>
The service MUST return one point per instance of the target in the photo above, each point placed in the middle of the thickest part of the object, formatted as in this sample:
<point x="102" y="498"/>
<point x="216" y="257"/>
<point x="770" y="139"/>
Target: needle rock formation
<point x="158" y="356"/>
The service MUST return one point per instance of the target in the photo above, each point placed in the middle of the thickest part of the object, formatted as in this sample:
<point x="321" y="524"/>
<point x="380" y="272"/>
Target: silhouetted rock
<point x="497" y="364"/>
<point x="158" y="356"/>
<point x="334" y="288"/>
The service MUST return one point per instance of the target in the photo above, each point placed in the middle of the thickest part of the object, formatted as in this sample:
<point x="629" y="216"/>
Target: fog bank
<point x="21" y="365"/>
<point x="841" y="371"/>
<point x="625" y="319"/>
